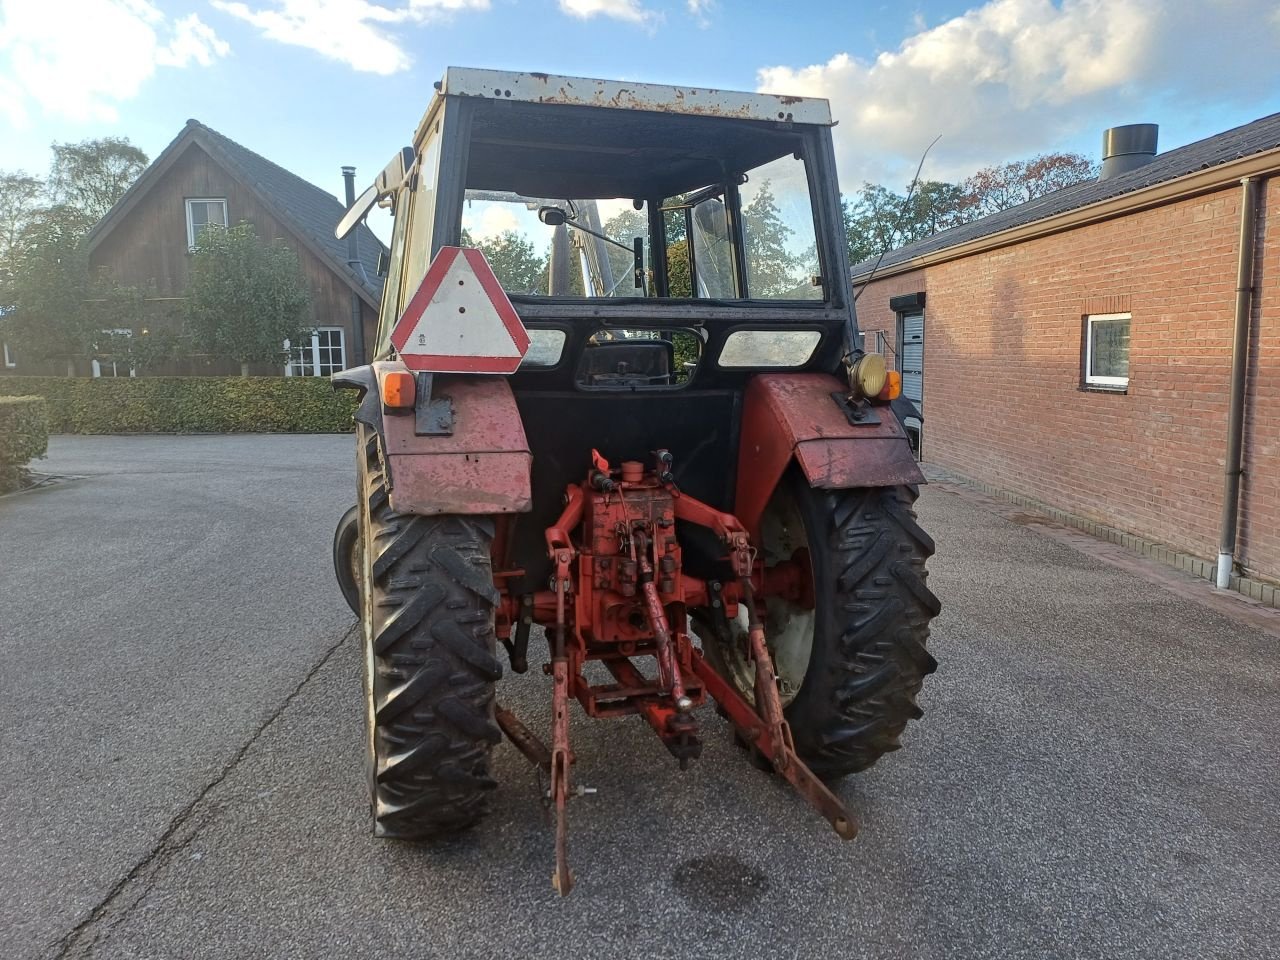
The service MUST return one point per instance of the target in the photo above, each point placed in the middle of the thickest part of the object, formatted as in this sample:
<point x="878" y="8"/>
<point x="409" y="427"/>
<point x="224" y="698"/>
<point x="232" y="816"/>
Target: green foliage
<point x="190" y="404"/>
<point x="245" y="298"/>
<point x="518" y="268"/>
<point x="24" y="435"/>
<point x="49" y="290"/>
<point x="21" y="195"/>
<point x="773" y="270"/>
<point x="93" y="174"/>
<point x="879" y="219"/>
<point x="54" y="309"/>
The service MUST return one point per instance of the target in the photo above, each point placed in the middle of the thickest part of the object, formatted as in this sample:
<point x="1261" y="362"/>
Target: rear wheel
<point x="430" y="665"/>
<point x="850" y="664"/>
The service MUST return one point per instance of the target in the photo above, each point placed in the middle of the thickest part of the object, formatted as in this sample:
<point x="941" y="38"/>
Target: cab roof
<point x="546" y="88"/>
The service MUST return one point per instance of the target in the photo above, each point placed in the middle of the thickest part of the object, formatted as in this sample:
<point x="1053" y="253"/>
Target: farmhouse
<point x="202" y="180"/>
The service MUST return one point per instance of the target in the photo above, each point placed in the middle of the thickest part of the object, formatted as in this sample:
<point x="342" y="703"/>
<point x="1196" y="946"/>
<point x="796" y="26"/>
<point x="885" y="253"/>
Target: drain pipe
<point x="357" y="266"/>
<point x="1234" y="465"/>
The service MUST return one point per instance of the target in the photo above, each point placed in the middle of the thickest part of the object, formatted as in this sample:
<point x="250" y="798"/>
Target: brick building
<point x="1077" y="350"/>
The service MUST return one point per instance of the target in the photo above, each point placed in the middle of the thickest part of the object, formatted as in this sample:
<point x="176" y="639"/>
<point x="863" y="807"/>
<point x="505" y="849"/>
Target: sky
<point x="316" y="84"/>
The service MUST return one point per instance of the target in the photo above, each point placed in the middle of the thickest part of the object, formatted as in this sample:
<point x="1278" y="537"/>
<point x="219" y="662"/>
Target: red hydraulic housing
<point x="619" y="593"/>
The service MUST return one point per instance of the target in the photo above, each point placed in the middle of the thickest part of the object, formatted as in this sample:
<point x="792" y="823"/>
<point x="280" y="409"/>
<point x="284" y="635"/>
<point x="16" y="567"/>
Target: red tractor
<point x="619" y="395"/>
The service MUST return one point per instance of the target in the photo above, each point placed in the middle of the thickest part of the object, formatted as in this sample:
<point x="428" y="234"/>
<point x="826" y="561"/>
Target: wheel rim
<point x="788" y="626"/>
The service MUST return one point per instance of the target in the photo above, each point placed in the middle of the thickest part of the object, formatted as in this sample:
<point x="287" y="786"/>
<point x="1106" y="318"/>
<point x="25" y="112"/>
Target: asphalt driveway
<point x="180" y="766"/>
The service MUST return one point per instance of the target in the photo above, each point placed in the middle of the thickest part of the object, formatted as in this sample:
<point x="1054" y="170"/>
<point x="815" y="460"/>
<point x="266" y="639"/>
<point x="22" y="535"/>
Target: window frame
<point x="95" y="363"/>
<point x="191" y="233"/>
<point x="313" y="345"/>
<point x="1088" y="379"/>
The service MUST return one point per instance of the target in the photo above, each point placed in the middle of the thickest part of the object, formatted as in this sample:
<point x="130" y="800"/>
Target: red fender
<point x="793" y="415"/>
<point x="481" y="468"/>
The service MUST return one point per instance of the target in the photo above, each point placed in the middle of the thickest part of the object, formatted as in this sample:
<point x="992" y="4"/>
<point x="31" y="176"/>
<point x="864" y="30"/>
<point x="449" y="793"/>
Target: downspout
<point x="354" y="262"/>
<point x="1234" y="465"/>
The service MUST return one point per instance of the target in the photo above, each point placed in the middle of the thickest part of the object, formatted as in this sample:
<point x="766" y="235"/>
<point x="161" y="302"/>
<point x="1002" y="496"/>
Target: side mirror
<point x="388" y="181"/>
<point x="359" y="210"/>
<point x="552" y="216"/>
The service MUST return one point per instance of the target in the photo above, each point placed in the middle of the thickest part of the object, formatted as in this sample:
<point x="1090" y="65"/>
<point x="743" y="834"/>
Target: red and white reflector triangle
<point x="460" y="320"/>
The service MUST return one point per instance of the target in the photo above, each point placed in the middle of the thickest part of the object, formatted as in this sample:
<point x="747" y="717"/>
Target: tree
<point x="93" y="174"/>
<point x="49" y="291"/>
<point x="21" y="195"/>
<point x="879" y="219"/>
<point x="1007" y="185"/>
<point x="773" y="268"/>
<point x="518" y="268"/>
<point x="246" y="298"/>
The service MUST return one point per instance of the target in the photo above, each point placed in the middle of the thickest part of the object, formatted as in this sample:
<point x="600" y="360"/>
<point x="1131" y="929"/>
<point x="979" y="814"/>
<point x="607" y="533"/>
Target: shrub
<point x="24" y="435"/>
<point x="190" y="404"/>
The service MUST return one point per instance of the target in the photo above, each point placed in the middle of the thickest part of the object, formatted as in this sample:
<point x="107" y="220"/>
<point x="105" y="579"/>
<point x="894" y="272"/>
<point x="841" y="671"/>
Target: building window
<point x="1106" y="350"/>
<point x="8" y="357"/>
<point x="113" y="355"/>
<point x="321" y="356"/>
<point x="202" y="214"/>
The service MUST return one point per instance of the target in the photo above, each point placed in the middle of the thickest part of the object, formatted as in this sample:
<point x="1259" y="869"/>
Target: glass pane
<point x="545" y="347"/>
<point x="422" y="217"/>
<point x="769" y="348"/>
<point x="216" y="213"/>
<point x="199" y="215"/>
<point x="389" y="312"/>
<point x="547" y="246"/>
<point x="627" y="359"/>
<point x="1109" y="348"/>
<point x="781" y="243"/>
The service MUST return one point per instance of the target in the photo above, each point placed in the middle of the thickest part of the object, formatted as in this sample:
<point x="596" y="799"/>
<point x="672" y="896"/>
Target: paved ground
<point x="1096" y="774"/>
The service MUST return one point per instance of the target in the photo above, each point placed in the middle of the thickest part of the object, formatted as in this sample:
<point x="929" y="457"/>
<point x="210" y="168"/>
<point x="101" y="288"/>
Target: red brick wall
<point x="1002" y="377"/>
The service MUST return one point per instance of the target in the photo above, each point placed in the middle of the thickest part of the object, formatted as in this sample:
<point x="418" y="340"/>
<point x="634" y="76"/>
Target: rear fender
<point x="793" y="416"/>
<point x="481" y="467"/>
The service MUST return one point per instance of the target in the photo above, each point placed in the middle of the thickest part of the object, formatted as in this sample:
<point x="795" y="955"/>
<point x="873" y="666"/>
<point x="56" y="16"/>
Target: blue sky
<point x="314" y="84"/>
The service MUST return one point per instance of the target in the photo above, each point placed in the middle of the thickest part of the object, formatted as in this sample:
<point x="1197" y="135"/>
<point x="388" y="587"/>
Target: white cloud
<point x="494" y="220"/>
<point x="80" y="59"/>
<point x="631" y="11"/>
<point x="354" y="32"/>
<point x="700" y="10"/>
<point x="1013" y="77"/>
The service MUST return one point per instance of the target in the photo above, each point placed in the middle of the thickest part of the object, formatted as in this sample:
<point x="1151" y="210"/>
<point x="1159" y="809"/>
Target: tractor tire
<point x="346" y="558"/>
<point x="865" y="638"/>
<point x="430" y="664"/>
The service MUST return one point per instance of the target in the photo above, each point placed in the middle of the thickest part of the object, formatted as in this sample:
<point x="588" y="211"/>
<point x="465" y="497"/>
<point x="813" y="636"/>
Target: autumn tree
<point x="246" y="297"/>
<point x="1006" y="185"/>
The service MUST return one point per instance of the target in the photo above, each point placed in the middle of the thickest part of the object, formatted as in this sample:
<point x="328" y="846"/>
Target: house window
<point x="113" y="357"/>
<point x="1106" y="350"/>
<point x="8" y="357"/>
<point x="321" y="356"/>
<point x="202" y="214"/>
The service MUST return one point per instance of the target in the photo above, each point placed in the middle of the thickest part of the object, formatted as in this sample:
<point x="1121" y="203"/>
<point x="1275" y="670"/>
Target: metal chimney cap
<point x="1127" y="148"/>
<point x="348" y="171"/>
<point x="1130" y="138"/>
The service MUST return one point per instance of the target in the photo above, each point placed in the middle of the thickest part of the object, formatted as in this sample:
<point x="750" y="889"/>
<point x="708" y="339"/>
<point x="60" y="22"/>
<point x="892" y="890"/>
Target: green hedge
<point x="190" y="404"/>
<point x="24" y="435"/>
